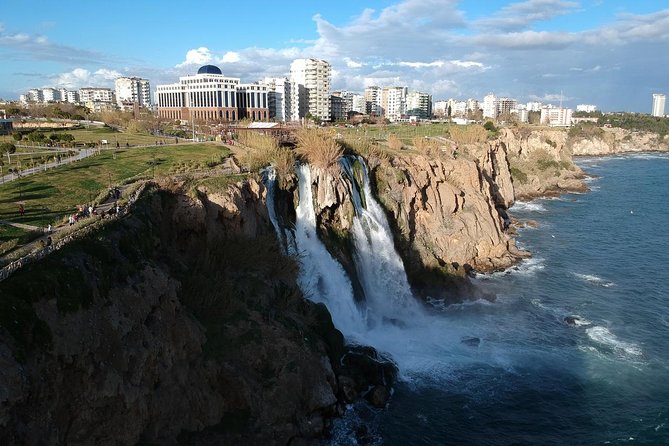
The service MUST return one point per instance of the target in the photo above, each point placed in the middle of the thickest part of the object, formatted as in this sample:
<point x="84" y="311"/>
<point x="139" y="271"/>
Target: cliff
<point x="181" y="322"/>
<point x="610" y="141"/>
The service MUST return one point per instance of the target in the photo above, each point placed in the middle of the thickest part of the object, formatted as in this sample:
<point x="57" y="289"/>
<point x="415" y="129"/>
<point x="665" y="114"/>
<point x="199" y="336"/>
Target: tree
<point x="490" y="126"/>
<point x="8" y="148"/>
<point x="18" y="136"/>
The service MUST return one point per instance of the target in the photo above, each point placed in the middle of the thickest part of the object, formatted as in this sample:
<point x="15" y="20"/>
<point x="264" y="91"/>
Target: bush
<point x="427" y="146"/>
<point x="490" y="126"/>
<point x="318" y="149"/>
<point x="468" y="134"/>
<point x="394" y="143"/>
<point x="518" y="175"/>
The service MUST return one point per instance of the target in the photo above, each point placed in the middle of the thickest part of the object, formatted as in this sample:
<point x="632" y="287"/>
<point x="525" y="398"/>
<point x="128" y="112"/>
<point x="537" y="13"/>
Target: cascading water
<point x="380" y="268"/>
<point x="269" y="180"/>
<point x="322" y="278"/>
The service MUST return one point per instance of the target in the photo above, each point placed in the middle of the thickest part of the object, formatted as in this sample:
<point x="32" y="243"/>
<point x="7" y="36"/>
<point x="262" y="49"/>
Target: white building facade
<point x="211" y="96"/>
<point x="556" y="116"/>
<point x="278" y="98"/>
<point x="659" y="101"/>
<point x="314" y="75"/>
<point x="131" y="90"/>
<point x="393" y="102"/>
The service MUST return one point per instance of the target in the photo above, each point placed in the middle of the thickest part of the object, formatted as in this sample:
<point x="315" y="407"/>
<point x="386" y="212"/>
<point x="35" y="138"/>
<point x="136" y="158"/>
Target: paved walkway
<point x="20" y="225"/>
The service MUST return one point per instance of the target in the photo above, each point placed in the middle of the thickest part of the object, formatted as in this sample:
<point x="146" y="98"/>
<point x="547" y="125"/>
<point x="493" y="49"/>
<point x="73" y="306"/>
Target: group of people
<point x="90" y="211"/>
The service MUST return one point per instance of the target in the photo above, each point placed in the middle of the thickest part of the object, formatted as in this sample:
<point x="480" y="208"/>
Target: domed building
<point x="211" y="96"/>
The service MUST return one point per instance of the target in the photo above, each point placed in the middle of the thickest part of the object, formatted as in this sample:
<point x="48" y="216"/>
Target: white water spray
<point x="322" y="278"/>
<point x="379" y="266"/>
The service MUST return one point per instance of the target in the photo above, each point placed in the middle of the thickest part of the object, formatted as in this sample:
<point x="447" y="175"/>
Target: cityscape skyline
<point x="602" y="51"/>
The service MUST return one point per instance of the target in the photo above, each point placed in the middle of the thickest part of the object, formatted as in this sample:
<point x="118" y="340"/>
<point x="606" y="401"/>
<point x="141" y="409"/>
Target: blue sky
<point x="612" y="53"/>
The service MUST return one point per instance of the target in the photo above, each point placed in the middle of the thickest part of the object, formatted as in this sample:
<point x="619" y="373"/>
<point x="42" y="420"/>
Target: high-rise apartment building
<point x="419" y="104"/>
<point x="490" y="106"/>
<point x="278" y="98"/>
<point x="393" y="102"/>
<point x="373" y="99"/>
<point x="131" y="90"/>
<point x="659" y="101"/>
<point x="314" y="75"/>
<point x="91" y="94"/>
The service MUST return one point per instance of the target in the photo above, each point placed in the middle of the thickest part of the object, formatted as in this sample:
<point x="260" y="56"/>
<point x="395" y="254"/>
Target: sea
<point x="574" y="350"/>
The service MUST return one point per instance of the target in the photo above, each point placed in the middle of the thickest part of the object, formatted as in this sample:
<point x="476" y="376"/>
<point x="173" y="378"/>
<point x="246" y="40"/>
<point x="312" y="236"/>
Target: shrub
<point x="427" y="146"/>
<point x="468" y="134"/>
<point x="318" y="149"/>
<point x="518" y="175"/>
<point x="394" y="143"/>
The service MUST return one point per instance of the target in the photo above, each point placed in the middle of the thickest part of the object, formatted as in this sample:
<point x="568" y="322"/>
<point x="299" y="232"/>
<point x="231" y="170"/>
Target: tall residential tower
<point x="658" y="104"/>
<point x="311" y="88"/>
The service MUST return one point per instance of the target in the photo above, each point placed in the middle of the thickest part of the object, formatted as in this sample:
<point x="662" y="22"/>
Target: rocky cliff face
<point x="541" y="162"/>
<point x="182" y="322"/>
<point x="610" y="141"/>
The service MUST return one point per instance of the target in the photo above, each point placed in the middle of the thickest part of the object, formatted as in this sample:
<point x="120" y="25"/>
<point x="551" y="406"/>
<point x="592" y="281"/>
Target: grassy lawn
<point x="94" y="135"/>
<point x="402" y="131"/>
<point x="49" y="196"/>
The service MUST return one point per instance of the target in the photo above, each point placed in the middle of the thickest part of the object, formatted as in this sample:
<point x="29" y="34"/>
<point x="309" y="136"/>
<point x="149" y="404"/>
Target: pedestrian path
<point x="20" y="225"/>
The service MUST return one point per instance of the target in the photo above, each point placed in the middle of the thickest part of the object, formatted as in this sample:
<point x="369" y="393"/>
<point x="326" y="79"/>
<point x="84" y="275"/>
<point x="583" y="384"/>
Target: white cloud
<point x="230" y="57"/>
<point x="522" y="14"/>
<point x="81" y="77"/>
<point x="197" y="56"/>
<point x="351" y="63"/>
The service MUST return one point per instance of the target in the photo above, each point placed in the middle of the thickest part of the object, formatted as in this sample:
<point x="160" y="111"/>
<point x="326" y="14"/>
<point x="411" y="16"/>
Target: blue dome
<point x="209" y="69"/>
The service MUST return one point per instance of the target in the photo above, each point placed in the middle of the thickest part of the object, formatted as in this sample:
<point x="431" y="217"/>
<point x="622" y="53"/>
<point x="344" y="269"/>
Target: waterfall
<point x="269" y="180"/>
<point x="322" y="278"/>
<point x="380" y="268"/>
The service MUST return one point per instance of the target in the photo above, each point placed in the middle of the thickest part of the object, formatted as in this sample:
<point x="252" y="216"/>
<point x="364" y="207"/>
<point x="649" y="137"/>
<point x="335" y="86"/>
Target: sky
<point x="610" y="53"/>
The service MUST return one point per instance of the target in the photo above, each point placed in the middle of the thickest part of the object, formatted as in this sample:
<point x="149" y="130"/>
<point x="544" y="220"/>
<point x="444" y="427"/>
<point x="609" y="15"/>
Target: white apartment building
<point x="490" y="106"/>
<point x="358" y="104"/>
<point x="534" y="106"/>
<point x="71" y="96"/>
<point x="440" y="108"/>
<point x="314" y="75"/>
<point x="659" y="101"/>
<point x="556" y="116"/>
<point x="91" y="94"/>
<point x="473" y="105"/>
<point x="587" y="108"/>
<point x="341" y="103"/>
<point x="505" y="105"/>
<point x="278" y="98"/>
<point x="393" y="102"/>
<point x="131" y="90"/>
<point x="373" y="100"/>
<point x="35" y="95"/>
<point x="51" y="95"/>
<point x="419" y="104"/>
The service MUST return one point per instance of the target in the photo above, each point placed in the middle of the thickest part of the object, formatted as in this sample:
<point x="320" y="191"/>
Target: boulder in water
<point x="347" y="389"/>
<point x="378" y="396"/>
<point x="572" y="320"/>
<point x="471" y="341"/>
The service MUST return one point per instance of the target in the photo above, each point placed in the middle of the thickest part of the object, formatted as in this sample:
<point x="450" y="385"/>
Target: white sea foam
<point x="528" y="206"/>
<point x="595" y="280"/>
<point x="603" y="337"/>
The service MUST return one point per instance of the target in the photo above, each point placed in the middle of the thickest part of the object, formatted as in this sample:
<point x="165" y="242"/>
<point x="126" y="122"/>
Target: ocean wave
<point x="529" y="206"/>
<point x="596" y="280"/>
<point x="602" y="336"/>
<point x="525" y="268"/>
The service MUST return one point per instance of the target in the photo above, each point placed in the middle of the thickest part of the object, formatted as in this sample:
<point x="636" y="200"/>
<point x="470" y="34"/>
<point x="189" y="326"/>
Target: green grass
<point x="96" y="134"/>
<point x="51" y="195"/>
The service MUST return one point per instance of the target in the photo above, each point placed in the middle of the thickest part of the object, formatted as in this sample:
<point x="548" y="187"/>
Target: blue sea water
<point x="601" y="257"/>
